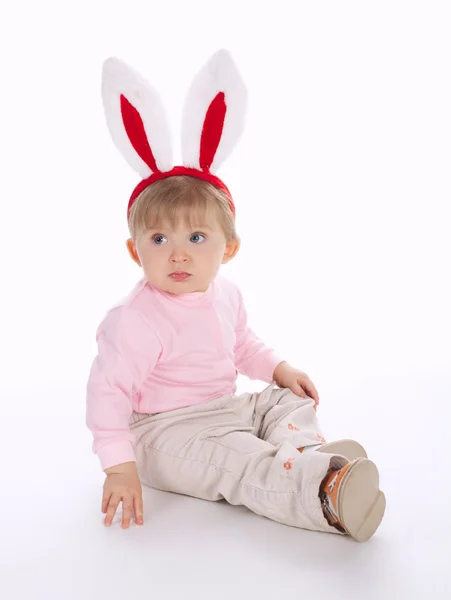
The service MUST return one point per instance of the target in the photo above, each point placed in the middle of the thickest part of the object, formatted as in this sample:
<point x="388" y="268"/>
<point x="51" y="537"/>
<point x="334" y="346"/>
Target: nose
<point x="178" y="255"/>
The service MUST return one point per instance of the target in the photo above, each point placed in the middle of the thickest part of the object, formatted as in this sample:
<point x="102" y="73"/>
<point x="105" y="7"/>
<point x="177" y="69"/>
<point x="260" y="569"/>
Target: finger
<point x="114" y="502"/>
<point x="315" y="396"/>
<point x="138" y="508"/>
<point x="299" y="391"/>
<point x="127" y="511"/>
<point x="310" y="389"/>
<point x="105" y="500"/>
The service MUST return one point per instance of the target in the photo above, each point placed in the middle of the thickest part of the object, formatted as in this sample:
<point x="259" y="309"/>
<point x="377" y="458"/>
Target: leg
<point x="351" y="496"/>
<point x="281" y="416"/>
<point x="211" y="452"/>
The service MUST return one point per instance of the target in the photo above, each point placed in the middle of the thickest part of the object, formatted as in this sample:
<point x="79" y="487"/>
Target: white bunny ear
<point x="136" y="119"/>
<point x="214" y="112"/>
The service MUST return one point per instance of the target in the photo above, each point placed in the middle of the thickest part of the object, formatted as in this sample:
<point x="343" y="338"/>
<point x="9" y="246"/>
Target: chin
<point x="178" y="287"/>
<point x="175" y="287"/>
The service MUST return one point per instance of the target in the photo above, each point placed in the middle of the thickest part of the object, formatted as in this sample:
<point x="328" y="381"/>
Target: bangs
<point x="172" y="211"/>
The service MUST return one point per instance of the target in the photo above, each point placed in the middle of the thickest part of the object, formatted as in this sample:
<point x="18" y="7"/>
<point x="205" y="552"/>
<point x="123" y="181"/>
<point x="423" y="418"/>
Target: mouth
<point x="180" y="276"/>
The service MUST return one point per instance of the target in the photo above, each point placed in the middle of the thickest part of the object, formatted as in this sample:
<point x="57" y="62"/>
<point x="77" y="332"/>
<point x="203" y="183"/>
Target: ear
<point x="214" y="113"/>
<point x="231" y="250"/>
<point x="136" y="119"/>
<point x="132" y="251"/>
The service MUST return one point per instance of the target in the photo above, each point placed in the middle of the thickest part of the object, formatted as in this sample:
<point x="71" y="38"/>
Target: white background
<point x="343" y="193"/>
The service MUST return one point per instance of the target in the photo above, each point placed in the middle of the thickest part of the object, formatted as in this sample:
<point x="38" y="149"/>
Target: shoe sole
<point x="347" y="448"/>
<point x="361" y="504"/>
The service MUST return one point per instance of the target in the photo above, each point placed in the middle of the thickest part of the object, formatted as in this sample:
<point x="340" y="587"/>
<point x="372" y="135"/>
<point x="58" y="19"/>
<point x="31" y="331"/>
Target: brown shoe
<point x="351" y="499"/>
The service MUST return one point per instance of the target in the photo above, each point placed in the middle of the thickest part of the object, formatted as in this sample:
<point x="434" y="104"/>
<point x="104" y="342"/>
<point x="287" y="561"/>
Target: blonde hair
<point x="180" y="197"/>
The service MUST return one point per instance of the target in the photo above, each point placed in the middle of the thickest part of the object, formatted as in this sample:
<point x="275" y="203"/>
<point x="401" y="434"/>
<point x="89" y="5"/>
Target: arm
<point x="252" y="357"/>
<point x="128" y="350"/>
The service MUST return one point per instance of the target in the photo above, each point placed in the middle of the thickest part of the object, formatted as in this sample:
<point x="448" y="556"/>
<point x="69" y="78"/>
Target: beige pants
<point x="242" y="449"/>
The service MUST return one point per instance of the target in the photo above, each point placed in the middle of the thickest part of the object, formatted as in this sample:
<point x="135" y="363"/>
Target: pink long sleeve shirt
<point x="159" y="352"/>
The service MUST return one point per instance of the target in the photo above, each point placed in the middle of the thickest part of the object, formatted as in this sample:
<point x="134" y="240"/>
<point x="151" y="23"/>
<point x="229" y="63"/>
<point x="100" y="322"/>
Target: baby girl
<point x="161" y="396"/>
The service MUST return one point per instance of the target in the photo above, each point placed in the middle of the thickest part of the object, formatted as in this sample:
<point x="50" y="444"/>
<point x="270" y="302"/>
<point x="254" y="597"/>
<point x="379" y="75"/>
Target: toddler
<point x="161" y="396"/>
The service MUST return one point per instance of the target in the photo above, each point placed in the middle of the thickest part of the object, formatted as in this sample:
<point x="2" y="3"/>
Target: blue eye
<point x="158" y="237"/>
<point x="197" y="235"/>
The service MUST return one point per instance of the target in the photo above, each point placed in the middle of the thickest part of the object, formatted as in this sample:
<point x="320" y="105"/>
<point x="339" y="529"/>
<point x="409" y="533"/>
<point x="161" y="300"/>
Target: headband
<point x="212" y="122"/>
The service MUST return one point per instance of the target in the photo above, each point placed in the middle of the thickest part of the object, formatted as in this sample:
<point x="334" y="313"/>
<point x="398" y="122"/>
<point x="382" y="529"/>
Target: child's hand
<point x="297" y="381"/>
<point x="122" y="484"/>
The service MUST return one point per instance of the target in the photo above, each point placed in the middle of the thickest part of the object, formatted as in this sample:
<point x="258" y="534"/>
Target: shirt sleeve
<point x="252" y="357"/>
<point x="128" y="350"/>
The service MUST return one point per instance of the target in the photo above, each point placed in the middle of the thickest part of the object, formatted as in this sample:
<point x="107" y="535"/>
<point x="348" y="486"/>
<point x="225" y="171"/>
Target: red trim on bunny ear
<point x="212" y="131"/>
<point x="134" y="128"/>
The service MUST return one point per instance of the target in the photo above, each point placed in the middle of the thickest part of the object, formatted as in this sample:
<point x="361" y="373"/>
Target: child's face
<point x="199" y="251"/>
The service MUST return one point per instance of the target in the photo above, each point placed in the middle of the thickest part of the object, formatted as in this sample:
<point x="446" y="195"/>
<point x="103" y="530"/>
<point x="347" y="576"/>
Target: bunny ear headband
<point x="212" y="122"/>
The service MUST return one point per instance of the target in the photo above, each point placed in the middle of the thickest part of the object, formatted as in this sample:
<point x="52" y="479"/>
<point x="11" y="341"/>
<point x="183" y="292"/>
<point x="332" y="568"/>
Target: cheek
<point x="212" y="250"/>
<point x="208" y="254"/>
<point x="153" y="254"/>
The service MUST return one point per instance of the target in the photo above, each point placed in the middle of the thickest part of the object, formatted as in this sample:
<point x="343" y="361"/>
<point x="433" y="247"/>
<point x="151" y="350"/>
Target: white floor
<point x="54" y="546"/>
